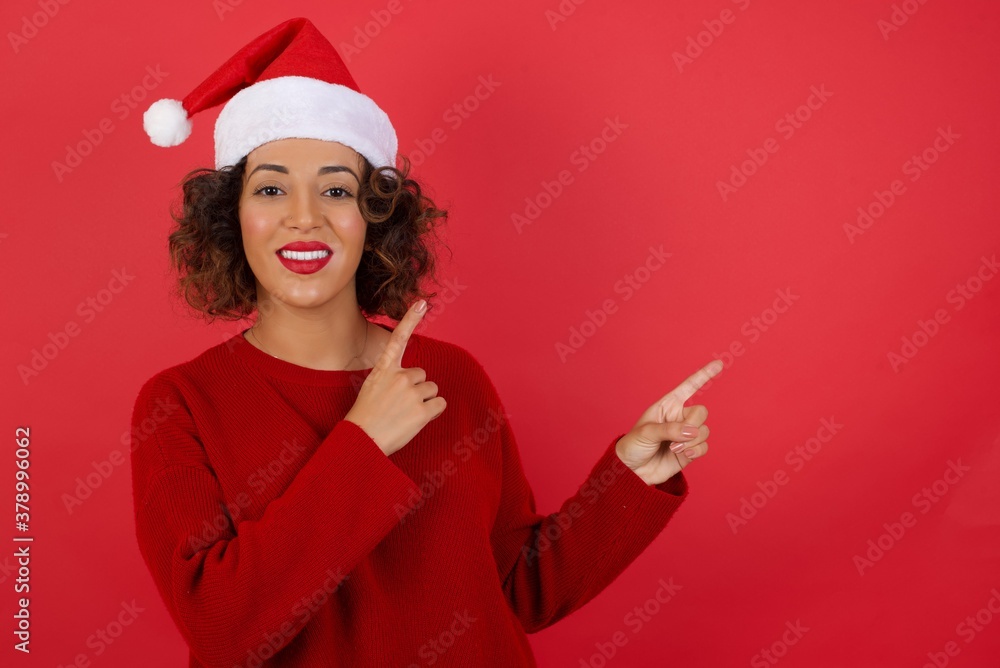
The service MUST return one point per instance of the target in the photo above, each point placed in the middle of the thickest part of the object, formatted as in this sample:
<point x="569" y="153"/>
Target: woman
<point x="304" y="493"/>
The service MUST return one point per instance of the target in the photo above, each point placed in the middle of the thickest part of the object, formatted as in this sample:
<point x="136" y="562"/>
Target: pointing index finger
<point x="695" y="381"/>
<point x="393" y="352"/>
<point x="673" y="402"/>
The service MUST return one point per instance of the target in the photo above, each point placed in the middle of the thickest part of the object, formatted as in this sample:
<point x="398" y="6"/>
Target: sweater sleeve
<point x="233" y="586"/>
<point x="552" y="565"/>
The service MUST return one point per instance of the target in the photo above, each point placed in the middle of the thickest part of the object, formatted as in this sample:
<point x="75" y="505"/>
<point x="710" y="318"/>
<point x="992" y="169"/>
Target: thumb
<point x="654" y="433"/>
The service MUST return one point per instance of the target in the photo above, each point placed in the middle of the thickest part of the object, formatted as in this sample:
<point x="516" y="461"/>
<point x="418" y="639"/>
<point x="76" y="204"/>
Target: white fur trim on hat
<point x="306" y="108"/>
<point x="166" y="122"/>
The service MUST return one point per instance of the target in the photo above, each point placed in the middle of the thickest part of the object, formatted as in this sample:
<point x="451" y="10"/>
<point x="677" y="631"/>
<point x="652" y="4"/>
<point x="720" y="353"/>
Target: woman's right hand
<point x="395" y="403"/>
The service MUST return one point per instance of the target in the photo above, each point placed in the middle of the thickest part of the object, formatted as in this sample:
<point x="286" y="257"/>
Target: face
<point x="303" y="192"/>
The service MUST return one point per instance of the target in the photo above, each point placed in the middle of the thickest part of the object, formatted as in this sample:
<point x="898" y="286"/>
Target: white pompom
<point x="166" y="122"/>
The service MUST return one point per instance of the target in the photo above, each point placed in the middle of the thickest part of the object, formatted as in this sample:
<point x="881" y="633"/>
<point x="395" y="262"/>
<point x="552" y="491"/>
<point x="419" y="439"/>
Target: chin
<point x="302" y="296"/>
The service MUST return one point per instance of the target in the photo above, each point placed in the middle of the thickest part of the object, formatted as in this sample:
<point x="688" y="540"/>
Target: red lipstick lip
<point x="305" y="266"/>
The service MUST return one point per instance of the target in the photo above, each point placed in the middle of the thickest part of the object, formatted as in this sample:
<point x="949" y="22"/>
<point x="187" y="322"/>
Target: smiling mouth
<point x="305" y="262"/>
<point x="304" y="255"/>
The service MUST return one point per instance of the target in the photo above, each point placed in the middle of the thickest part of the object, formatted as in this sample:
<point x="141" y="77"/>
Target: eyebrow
<point x="328" y="169"/>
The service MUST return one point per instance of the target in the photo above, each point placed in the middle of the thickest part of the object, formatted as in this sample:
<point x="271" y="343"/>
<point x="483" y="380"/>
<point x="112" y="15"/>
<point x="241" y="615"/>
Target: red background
<point x="828" y="356"/>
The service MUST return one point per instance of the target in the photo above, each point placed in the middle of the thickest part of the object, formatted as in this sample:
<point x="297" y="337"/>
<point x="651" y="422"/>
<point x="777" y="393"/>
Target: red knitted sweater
<point x="280" y="534"/>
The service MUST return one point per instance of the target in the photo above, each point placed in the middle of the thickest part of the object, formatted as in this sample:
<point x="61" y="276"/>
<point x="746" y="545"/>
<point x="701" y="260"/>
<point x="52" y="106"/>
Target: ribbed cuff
<point x="349" y="456"/>
<point x="624" y="489"/>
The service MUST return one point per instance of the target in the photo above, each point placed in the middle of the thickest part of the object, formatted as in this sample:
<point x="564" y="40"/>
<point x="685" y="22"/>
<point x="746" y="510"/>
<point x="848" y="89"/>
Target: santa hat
<point x="288" y="82"/>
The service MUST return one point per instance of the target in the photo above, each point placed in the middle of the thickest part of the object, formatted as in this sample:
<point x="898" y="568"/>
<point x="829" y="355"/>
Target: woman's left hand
<point x="656" y="448"/>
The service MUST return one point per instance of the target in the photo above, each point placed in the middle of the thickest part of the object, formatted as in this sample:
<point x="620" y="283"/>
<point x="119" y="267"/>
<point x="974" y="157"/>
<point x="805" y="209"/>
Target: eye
<point x="272" y="191"/>
<point x="345" y="192"/>
<point x="261" y="189"/>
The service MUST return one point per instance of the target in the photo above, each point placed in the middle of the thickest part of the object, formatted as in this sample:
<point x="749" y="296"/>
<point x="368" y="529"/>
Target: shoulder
<point x="443" y="354"/>
<point x="180" y="384"/>
<point x="168" y="409"/>
<point x="455" y="364"/>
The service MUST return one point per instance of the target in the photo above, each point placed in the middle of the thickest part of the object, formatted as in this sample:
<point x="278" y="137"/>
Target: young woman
<point x="321" y="490"/>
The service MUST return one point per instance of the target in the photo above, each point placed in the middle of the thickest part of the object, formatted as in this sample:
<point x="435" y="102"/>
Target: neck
<point x="336" y="337"/>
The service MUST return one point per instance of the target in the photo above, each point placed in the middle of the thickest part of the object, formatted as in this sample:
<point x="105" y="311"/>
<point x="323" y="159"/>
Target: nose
<point x="304" y="212"/>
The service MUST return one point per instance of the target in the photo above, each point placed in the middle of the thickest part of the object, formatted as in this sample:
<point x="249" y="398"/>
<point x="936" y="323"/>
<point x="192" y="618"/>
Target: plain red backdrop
<point x="876" y="339"/>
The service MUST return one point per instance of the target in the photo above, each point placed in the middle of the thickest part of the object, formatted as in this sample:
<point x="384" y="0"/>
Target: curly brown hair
<point x="215" y="279"/>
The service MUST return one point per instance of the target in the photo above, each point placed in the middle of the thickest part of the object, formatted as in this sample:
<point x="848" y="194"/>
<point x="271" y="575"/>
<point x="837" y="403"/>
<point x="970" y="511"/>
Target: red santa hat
<point x="288" y="82"/>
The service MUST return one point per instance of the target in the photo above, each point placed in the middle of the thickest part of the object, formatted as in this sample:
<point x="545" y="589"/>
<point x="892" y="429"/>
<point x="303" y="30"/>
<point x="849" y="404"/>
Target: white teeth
<point x="304" y="255"/>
